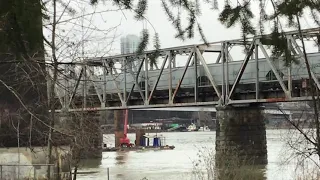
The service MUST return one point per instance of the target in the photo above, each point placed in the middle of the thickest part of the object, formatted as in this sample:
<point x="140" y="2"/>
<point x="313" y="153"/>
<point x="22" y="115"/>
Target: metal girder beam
<point x="75" y="87"/>
<point x="225" y="70"/>
<point x="274" y="69"/>
<point x="171" y="56"/>
<point x="196" y="85"/>
<point x="230" y="59"/>
<point x="48" y="79"/>
<point x="115" y="84"/>
<point x="182" y="77"/>
<point x="59" y="96"/>
<point x="300" y="53"/>
<point x="289" y="85"/>
<point x="156" y="66"/>
<point x="257" y="83"/>
<point x="223" y="86"/>
<point x="197" y="104"/>
<point x="209" y="75"/>
<point x="211" y="47"/>
<point x="134" y="66"/>
<point x="157" y="81"/>
<point x="171" y="59"/>
<point x="124" y="70"/>
<point x="104" y="86"/>
<point x="271" y="100"/>
<point x="85" y="87"/>
<point x="143" y="106"/>
<point x="242" y="68"/>
<point x="88" y="71"/>
<point x="146" y="80"/>
<point x="56" y="88"/>
<point x="218" y="58"/>
<point x="136" y="81"/>
<point x="114" y="69"/>
<point x="66" y="91"/>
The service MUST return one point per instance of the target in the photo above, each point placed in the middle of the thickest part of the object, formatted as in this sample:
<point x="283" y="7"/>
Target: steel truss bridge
<point x="130" y="81"/>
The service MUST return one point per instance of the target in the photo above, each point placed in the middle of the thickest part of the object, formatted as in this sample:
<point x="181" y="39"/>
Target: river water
<point x="177" y="164"/>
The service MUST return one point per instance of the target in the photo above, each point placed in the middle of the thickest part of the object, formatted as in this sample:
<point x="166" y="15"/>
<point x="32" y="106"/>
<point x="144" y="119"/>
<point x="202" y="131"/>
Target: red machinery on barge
<point x="142" y="142"/>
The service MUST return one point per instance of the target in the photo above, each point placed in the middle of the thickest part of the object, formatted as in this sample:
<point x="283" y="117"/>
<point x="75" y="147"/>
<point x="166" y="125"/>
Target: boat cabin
<point x="152" y="141"/>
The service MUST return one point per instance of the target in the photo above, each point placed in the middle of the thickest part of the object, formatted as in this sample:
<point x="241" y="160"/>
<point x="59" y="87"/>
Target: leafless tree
<point x="303" y="137"/>
<point x="63" y="20"/>
<point x="81" y="128"/>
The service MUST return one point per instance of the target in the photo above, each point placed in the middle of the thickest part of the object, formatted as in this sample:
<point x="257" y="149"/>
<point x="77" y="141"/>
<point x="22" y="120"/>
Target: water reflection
<point x="121" y="158"/>
<point x="90" y="163"/>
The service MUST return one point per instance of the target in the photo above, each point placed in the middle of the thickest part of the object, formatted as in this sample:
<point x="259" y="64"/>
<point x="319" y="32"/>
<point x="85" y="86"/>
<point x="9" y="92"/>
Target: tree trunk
<point x="23" y="71"/>
<point x="313" y="86"/>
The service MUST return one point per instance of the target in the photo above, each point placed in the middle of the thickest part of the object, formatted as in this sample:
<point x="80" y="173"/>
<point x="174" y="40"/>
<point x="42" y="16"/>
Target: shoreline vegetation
<point x="132" y="130"/>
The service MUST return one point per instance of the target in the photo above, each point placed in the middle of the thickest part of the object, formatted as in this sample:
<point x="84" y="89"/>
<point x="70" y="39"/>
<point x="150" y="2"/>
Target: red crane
<point x="125" y="142"/>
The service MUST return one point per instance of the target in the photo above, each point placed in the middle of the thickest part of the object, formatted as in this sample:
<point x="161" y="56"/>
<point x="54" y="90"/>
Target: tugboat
<point x="142" y="142"/>
<point x="204" y="128"/>
<point x="192" y="127"/>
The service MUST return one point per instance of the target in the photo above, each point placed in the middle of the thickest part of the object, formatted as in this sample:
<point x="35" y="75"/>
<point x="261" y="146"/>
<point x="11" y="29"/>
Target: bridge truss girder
<point x="67" y="89"/>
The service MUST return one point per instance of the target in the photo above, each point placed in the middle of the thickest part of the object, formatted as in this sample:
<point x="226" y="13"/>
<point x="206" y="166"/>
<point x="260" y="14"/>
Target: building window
<point x="271" y="76"/>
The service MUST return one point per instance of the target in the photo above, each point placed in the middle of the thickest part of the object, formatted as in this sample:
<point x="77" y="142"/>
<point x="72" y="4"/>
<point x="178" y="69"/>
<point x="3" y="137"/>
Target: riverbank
<point x="212" y="129"/>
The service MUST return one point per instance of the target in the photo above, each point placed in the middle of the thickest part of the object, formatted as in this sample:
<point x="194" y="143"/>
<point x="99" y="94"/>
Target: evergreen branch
<point x="175" y="21"/>
<point x="93" y="2"/>
<point x="262" y="16"/>
<point x="127" y="4"/>
<point x="154" y="55"/>
<point x="202" y="34"/>
<point x="185" y="4"/>
<point x="215" y="5"/>
<point x="229" y="16"/>
<point x="167" y="10"/>
<point x="190" y="28"/>
<point x="315" y="17"/>
<point x="197" y="8"/>
<point x="143" y="42"/>
<point x="141" y="9"/>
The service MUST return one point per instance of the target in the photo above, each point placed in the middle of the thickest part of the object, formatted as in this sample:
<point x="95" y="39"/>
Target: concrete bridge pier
<point x="118" y="125"/>
<point x="241" y="136"/>
<point x="84" y="127"/>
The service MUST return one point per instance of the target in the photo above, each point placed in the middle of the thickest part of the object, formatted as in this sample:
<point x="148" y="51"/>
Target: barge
<point x="158" y="143"/>
<point x="142" y="142"/>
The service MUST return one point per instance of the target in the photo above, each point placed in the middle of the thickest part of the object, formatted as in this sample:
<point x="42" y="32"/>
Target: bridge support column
<point x="85" y="133"/>
<point x="241" y="135"/>
<point x="118" y="126"/>
<point x="91" y="135"/>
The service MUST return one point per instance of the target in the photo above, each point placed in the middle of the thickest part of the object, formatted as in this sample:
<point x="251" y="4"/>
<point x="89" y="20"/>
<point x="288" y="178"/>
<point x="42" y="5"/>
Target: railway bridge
<point x="210" y="77"/>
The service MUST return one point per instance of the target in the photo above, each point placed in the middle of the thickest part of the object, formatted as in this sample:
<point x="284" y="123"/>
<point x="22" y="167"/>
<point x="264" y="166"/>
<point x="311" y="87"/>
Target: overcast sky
<point x="213" y="29"/>
<point x="103" y="41"/>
